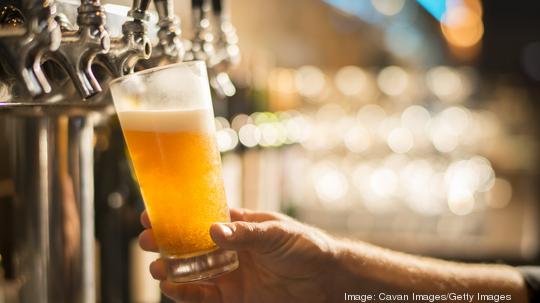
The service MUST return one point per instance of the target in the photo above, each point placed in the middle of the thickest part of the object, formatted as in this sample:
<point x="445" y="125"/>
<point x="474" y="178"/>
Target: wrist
<point x="346" y="267"/>
<point x="361" y="268"/>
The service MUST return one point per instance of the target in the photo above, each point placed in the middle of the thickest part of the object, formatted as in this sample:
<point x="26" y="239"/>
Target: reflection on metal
<point x="169" y="47"/>
<point x="56" y="60"/>
<point x="215" y="42"/>
<point x="132" y="46"/>
<point x="23" y="43"/>
<point x="51" y="150"/>
<point x="80" y="46"/>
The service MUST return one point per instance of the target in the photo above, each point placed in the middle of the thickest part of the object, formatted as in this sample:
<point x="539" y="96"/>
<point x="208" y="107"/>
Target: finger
<point x="191" y="292"/>
<point x="243" y="214"/>
<point x="261" y="238"/>
<point x="158" y="269"/>
<point x="147" y="241"/>
<point x="145" y="220"/>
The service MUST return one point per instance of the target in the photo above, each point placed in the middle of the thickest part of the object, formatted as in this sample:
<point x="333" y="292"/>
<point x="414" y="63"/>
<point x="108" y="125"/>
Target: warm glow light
<point x="226" y="84"/>
<point x="282" y="80"/>
<point x="227" y="139"/>
<point x="357" y="139"/>
<point x="460" y="201"/>
<point x="443" y="141"/>
<point x="240" y="120"/>
<point x="415" y="118"/>
<point x="371" y="116"/>
<point x="485" y="173"/>
<point x="221" y="123"/>
<point x="249" y="135"/>
<point x="446" y="83"/>
<point x="462" y="26"/>
<point x="383" y="182"/>
<point x="461" y="176"/>
<point x="310" y="81"/>
<point x="351" y="80"/>
<point x="400" y="140"/>
<point x="445" y="130"/>
<point x="297" y="129"/>
<point x="393" y="80"/>
<point x="455" y="120"/>
<point x="388" y="7"/>
<point x="269" y="134"/>
<point x="330" y="184"/>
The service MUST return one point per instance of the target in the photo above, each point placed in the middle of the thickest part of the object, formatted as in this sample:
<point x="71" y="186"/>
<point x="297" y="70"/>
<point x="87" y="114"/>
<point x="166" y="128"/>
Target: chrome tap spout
<point x="25" y="35"/>
<point x="169" y="45"/>
<point x="201" y="47"/>
<point x="80" y="46"/>
<point x="133" y="46"/>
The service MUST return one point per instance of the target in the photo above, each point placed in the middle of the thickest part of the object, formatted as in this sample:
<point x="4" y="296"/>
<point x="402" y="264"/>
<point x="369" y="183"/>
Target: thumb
<point x="263" y="238"/>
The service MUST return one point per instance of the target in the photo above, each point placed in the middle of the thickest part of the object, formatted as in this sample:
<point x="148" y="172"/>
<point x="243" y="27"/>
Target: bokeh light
<point x="351" y="80"/>
<point x="329" y="182"/>
<point x="462" y="26"/>
<point x="447" y="84"/>
<point x="310" y="81"/>
<point x="249" y="135"/>
<point x="388" y="7"/>
<point x="415" y="118"/>
<point x="400" y="140"/>
<point x="393" y="80"/>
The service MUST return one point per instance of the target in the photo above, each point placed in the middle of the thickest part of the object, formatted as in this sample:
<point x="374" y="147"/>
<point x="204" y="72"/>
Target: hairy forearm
<point x="360" y="267"/>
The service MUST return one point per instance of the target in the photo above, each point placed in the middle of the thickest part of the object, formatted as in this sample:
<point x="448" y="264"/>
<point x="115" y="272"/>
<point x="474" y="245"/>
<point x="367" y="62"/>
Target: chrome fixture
<point x="49" y="123"/>
<point x="132" y="46"/>
<point x="201" y="46"/>
<point x="26" y="33"/>
<point x="215" y="42"/>
<point x="169" y="48"/>
<point x="226" y="51"/>
<point x="80" y="46"/>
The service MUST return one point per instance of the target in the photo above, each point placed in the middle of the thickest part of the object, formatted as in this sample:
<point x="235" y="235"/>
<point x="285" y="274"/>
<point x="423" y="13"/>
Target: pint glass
<point x="167" y="119"/>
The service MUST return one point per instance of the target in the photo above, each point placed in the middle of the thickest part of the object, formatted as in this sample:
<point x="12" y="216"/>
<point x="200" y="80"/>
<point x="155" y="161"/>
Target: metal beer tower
<point x="55" y="61"/>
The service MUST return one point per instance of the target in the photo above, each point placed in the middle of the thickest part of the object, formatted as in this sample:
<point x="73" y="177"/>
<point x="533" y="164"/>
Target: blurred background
<point x="408" y="124"/>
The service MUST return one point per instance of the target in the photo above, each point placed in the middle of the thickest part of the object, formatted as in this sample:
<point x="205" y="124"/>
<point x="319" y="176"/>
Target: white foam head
<point x="195" y="120"/>
<point x="177" y="86"/>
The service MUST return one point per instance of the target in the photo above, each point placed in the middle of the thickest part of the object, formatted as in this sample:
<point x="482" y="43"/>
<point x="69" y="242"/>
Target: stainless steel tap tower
<point x="55" y="61"/>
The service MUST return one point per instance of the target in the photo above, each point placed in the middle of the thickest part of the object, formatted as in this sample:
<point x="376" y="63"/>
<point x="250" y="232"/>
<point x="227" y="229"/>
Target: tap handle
<point x="217" y="7"/>
<point x="164" y="9"/>
<point x="139" y="10"/>
<point x="197" y="4"/>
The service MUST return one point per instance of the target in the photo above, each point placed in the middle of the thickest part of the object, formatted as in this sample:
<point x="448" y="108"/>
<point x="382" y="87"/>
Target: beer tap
<point x="201" y="46"/>
<point x="169" y="48"/>
<point x="26" y="33"/>
<point x="132" y="46"/>
<point x="80" y="46"/>
<point x="226" y="53"/>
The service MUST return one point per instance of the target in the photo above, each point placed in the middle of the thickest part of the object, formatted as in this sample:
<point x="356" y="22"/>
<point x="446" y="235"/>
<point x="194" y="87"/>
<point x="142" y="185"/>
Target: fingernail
<point x="225" y="230"/>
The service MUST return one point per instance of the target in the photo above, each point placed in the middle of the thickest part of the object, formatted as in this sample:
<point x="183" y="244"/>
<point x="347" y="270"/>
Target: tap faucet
<point x="132" y="46"/>
<point x="201" y="46"/>
<point x="226" y="51"/>
<point x="169" y="48"/>
<point x="26" y="33"/>
<point x="80" y="46"/>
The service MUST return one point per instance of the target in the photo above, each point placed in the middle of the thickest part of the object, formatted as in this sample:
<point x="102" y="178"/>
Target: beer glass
<point x="167" y="119"/>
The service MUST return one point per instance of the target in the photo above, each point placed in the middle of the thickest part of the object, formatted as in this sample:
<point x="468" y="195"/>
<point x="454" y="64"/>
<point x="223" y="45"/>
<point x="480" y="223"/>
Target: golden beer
<point x="167" y="118"/>
<point x="178" y="167"/>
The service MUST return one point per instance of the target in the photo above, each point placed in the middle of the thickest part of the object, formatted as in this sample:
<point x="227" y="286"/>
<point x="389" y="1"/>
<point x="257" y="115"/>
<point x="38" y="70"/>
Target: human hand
<point x="281" y="260"/>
